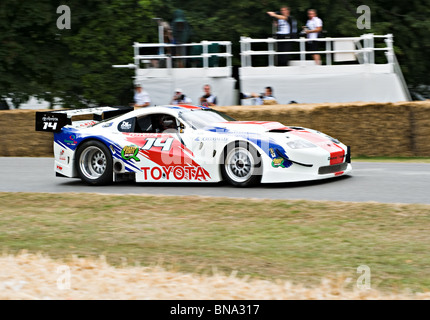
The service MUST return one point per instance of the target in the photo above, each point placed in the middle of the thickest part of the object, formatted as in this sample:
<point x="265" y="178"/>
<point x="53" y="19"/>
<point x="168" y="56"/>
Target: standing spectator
<point x="181" y="34"/>
<point x="312" y="29"/>
<point x="263" y="98"/>
<point x="141" y="98"/>
<point x="167" y="37"/>
<point x="286" y="29"/>
<point x="180" y="98"/>
<point x="208" y="99"/>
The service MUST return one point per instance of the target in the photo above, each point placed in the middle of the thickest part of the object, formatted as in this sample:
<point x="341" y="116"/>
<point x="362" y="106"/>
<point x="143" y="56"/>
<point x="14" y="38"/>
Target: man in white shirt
<point x="312" y="29"/>
<point x="141" y="98"/>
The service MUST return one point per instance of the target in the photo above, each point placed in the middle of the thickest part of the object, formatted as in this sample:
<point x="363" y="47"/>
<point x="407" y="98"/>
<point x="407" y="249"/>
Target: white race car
<point x="187" y="144"/>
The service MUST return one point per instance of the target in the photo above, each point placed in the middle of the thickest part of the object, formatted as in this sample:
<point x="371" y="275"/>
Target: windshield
<point x="204" y="117"/>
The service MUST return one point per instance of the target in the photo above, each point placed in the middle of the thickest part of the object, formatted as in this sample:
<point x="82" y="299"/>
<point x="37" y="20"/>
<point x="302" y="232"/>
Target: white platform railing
<point x="364" y="49"/>
<point x="171" y="53"/>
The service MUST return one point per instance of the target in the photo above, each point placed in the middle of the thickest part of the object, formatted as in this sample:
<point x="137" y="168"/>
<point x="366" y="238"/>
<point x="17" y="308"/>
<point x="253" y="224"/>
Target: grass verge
<point x="300" y="241"/>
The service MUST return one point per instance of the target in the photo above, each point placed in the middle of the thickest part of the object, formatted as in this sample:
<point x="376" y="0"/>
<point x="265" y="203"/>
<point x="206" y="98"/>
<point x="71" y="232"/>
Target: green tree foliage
<point x="28" y="48"/>
<point x="38" y="59"/>
<point x="104" y="39"/>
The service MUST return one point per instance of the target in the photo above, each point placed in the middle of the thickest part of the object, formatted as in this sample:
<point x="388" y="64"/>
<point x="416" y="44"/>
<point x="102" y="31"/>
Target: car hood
<point x="249" y="126"/>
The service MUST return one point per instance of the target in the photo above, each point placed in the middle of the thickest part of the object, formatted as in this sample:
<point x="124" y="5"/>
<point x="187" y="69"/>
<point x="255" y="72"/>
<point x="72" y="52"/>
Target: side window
<point x="165" y="123"/>
<point x="155" y="123"/>
<point x="127" y="125"/>
<point x="144" y="124"/>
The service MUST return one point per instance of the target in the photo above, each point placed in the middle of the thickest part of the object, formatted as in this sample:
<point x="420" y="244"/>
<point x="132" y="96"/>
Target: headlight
<point x="300" y="144"/>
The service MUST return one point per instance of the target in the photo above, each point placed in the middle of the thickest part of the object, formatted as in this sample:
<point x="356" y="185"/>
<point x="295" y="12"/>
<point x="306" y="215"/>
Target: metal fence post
<point x="328" y="48"/>
<point x="242" y="50"/>
<point x="270" y="47"/>
<point x="205" y="54"/>
<point x="136" y="54"/>
<point x="228" y="49"/>
<point x="390" y="52"/>
<point x="302" y="51"/>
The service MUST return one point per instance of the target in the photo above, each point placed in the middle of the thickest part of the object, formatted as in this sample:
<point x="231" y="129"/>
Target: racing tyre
<point x="242" y="165"/>
<point x="94" y="163"/>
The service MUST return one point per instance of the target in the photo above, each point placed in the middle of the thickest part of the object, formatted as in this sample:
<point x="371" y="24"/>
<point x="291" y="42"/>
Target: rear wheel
<point x="94" y="163"/>
<point x="242" y="165"/>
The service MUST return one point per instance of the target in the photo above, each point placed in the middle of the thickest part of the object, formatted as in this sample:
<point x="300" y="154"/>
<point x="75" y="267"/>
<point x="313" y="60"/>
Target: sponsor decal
<point x="211" y="139"/>
<point x="59" y="168"/>
<point x="50" y="118"/>
<point x="277" y="161"/>
<point x="272" y="153"/>
<point x="86" y="124"/>
<point x="125" y="125"/>
<point x="107" y="125"/>
<point x="130" y="152"/>
<point x="336" y="157"/>
<point x="177" y="172"/>
<point x="62" y="157"/>
<point x="71" y="140"/>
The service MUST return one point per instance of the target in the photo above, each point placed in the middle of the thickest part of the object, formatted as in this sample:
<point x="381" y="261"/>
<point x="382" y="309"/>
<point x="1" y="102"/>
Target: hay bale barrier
<point x="18" y="136"/>
<point x="371" y="129"/>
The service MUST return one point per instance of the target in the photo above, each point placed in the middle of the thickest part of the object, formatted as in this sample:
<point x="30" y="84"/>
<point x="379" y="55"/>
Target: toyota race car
<point x="187" y="144"/>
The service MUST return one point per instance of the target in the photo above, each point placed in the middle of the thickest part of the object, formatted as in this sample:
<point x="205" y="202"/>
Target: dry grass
<point x="29" y="276"/>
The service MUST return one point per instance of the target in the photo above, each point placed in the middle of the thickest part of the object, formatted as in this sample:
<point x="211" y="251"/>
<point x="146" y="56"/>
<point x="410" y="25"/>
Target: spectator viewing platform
<point x="353" y="69"/>
<point x="162" y="67"/>
<point x="361" y="68"/>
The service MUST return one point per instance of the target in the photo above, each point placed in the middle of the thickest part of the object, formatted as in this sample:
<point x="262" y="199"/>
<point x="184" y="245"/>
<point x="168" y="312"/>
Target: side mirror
<point x="181" y="127"/>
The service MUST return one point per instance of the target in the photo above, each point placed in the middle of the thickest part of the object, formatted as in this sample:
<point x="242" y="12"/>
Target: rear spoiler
<point x="53" y="121"/>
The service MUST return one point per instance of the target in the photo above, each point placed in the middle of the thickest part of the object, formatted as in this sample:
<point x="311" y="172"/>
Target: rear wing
<point x="53" y="121"/>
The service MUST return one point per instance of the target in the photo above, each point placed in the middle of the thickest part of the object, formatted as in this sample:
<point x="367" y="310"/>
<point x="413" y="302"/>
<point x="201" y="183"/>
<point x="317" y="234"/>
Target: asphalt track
<point x="378" y="182"/>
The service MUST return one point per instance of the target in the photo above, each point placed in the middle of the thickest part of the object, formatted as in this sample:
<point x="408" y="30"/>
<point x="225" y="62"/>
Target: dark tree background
<point x="38" y="59"/>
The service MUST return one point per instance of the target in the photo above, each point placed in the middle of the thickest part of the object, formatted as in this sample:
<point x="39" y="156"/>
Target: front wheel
<point x="242" y="165"/>
<point x="94" y="163"/>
